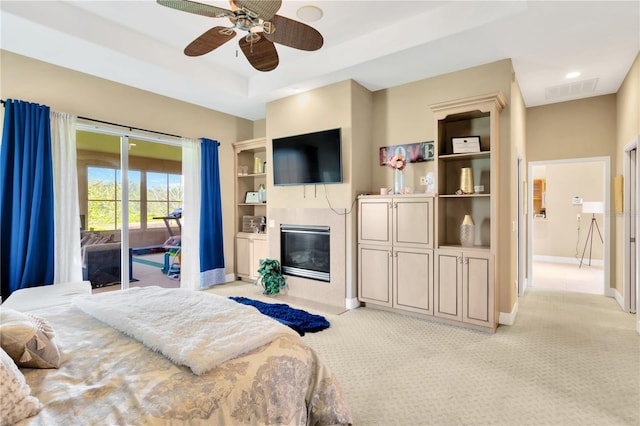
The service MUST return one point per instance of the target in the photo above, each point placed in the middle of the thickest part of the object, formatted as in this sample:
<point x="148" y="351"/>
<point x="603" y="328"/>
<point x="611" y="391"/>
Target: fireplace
<point x="304" y="251"/>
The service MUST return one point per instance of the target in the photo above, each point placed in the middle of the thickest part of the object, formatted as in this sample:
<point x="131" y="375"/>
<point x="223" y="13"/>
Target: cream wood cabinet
<point x="464" y="286"/>
<point x="395" y="255"/>
<point x="250" y="249"/>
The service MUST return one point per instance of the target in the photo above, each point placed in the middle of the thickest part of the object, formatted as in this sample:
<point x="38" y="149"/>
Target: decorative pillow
<point x="27" y="339"/>
<point x="16" y="402"/>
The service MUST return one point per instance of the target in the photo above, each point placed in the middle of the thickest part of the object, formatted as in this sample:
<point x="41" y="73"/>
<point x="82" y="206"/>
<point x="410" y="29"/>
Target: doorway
<point x="569" y="223"/>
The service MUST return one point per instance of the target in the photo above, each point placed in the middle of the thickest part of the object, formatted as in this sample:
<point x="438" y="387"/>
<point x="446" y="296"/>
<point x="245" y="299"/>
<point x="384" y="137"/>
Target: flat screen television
<point x="310" y="158"/>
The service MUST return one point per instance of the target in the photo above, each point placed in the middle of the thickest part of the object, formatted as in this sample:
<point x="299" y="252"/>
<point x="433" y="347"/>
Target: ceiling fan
<point x="264" y="28"/>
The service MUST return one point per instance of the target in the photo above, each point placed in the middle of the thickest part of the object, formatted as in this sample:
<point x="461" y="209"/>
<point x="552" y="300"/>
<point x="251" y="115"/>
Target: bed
<point x="113" y="370"/>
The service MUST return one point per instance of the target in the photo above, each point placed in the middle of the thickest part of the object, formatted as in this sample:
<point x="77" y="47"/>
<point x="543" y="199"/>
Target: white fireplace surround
<point x="332" y="293"/>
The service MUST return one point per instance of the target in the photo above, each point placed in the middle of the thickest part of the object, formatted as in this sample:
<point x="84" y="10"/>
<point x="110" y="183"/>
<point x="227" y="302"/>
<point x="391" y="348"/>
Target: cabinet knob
<point x="460" y="260"/>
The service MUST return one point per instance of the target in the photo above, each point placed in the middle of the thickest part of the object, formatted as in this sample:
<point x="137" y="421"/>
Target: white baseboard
<point x="508" y="318"/>
<point x="613" y="292"/>
<point x="569" y="260"/>
<point x="352" y="303"/>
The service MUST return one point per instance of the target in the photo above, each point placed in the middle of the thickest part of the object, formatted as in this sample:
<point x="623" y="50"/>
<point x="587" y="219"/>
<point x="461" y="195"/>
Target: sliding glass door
<point x="130" y="193"/>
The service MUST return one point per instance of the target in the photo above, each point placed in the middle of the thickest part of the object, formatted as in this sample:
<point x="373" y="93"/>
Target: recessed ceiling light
<point x="573" y="74"/>
<point x="309" y="13"/>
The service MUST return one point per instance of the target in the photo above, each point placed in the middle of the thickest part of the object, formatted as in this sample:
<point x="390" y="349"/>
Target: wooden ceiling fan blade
<point x="261" y="53"/>
<point x="294" y="34"/>
<point x="196" y="8"/>
<point x="265" y="9"/>
<point x="210" y="40"/>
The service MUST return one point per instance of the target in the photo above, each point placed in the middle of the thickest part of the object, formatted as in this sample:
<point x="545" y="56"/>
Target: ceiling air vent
<point x="576" y="88"/>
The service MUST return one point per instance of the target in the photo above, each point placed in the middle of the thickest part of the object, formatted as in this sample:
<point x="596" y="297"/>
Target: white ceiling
<point x="377" y="43"/>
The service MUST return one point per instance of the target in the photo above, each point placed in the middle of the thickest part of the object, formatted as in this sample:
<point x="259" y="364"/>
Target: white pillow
<point x="26" y="338"/>
<point x="16" y="402"/>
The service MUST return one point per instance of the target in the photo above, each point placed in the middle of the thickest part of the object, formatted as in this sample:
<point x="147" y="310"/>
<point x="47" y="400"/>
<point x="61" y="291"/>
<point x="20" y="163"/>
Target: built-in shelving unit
<point x="464" y="283"/>
<point x="251" y="239"/>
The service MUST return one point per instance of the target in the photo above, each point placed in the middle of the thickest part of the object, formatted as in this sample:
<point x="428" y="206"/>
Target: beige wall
<point x="260" y="128"/>
<point x="628" y="107"/>
<point x="81" y="94"/>
<point x="574" y="129"/>
<point x="628" y="129"/>
<point x="402" y="115"/>
<point x="558" y="235"/>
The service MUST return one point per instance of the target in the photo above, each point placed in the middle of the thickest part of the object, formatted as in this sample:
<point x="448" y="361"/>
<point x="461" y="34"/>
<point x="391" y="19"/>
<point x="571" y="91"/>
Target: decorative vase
<point x="398" y="181"/>
<point x="257" y="165"/>
<point x="262" y="193"/>
<point x="466" y="180"/>
<point x="467" y="231"/>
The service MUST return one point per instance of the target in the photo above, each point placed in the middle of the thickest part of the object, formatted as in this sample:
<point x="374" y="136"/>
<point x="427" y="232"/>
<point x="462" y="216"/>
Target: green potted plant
<point x="270" y="276"/>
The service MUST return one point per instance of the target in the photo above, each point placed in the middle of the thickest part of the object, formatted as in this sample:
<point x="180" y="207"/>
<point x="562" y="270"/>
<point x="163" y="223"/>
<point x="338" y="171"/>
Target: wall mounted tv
<point x="311" y="158"/>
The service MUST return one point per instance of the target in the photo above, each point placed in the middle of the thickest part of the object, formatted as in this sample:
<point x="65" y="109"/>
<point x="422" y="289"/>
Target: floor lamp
<point x="592" y="207"/>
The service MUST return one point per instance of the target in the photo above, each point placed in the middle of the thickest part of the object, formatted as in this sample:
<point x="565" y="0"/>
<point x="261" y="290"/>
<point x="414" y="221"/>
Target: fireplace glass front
<point x="304" y="251"/>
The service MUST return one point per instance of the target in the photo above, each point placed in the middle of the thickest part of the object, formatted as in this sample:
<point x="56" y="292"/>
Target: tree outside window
<point x="164" y="195"/>
<point x="104" y="198"/>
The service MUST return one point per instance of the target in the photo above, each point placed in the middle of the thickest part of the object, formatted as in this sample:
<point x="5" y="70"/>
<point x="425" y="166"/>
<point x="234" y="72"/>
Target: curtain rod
<point x="128" y="127"/>
<point x="122" y="125"/>
<point x="119" y="125"/>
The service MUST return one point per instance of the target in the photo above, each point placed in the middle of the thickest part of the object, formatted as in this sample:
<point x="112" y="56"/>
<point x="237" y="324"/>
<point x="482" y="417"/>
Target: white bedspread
<point x="197" y="329"/>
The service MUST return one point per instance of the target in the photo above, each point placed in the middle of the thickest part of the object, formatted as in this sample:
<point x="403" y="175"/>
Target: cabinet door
<point x="258" y="252"/>
<point x="374" y="221"/>
<point x="413" y="278"/>
<point x="243" y="258"/>
<point x="478" y="289"/>
<point x="413" y="222"/>
<point x="447" y="282"/>
<point x="374" y="274"/>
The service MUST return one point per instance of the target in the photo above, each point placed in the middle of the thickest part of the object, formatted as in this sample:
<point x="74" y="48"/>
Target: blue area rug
<point x="297" y="319"/>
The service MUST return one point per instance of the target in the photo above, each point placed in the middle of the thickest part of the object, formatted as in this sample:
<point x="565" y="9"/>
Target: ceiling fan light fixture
<point x="309" y="13"/>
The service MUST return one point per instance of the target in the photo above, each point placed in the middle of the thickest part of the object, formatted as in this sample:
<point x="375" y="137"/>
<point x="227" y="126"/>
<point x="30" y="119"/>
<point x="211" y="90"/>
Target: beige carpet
<point x="570" y="359"/>
<point x="568" y="276"/>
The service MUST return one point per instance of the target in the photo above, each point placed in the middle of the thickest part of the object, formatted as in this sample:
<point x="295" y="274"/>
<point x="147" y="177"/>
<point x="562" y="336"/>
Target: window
<point x="164" y="195"/>
<point x="104" y="195"/>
